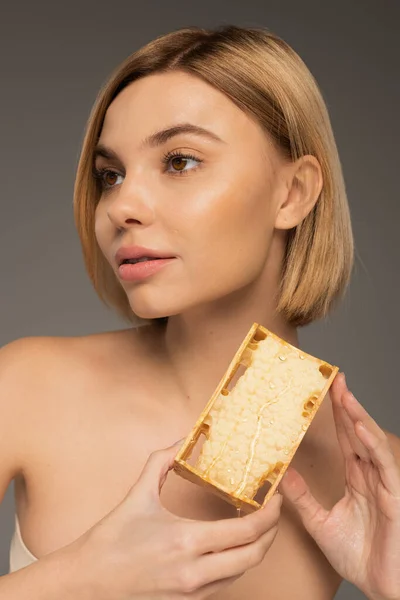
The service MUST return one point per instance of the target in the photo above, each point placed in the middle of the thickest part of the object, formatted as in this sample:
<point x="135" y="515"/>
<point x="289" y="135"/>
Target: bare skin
<point x="106" y="401"/>
<point x="86" y="444"/>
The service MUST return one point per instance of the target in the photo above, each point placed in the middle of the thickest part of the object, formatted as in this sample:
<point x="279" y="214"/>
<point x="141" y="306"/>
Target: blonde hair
<point x="267" y="79"/>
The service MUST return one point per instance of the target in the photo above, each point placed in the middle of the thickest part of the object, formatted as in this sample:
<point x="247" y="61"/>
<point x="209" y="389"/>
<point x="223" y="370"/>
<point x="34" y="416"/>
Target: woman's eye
<point x="179" y="161"/>
<point x="108" y="178"/>
<point x="104" y="176"/>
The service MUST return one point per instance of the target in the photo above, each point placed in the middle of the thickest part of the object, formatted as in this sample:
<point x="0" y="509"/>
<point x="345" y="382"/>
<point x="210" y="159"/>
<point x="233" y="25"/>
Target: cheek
<point x="227" y="232"/>
<point x="230" y="227"/>
<point x="102" y="232"/>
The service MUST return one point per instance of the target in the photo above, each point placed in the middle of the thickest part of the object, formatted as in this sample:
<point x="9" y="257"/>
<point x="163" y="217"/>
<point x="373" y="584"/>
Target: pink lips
<point x="125" y="252"/>
<point x="142" y="270"/>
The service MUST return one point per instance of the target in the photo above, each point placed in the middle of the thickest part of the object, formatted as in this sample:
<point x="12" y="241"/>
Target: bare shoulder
<point x="24" y="367"/>
<point x="27" y="366"/>
<point x="42" y="378"/>
<point x="35" y="370"/>
<point x="35" y="360"/>
<point x="32" y="352"/>
<point x="20" y="362"/>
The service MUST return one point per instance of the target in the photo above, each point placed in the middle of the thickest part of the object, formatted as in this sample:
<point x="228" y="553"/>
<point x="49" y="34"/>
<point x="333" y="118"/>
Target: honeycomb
<point x="253" y="430"/>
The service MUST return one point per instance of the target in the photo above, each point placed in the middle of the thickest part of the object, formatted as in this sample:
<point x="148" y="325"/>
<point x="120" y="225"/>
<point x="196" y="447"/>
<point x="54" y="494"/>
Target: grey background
<point x="55" y="56"/>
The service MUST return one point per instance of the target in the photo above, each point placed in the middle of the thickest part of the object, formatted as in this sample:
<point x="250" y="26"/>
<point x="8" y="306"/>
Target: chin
<point x="149" y="314"/>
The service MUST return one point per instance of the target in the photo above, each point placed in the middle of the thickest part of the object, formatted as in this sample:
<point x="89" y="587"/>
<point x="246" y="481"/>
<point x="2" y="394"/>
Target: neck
<point x="197" y="347"/>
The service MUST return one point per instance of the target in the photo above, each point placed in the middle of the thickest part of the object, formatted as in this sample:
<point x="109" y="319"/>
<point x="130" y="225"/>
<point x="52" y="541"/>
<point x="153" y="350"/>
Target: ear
<point x="302" y="184"/>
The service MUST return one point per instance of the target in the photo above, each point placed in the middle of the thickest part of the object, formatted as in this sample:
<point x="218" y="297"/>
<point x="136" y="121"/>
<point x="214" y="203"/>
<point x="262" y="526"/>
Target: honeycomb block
<point x="253" y="430"/>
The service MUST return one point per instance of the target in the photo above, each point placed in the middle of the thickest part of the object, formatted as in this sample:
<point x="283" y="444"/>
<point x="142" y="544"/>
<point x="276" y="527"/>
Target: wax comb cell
<point x="253" y="429"/>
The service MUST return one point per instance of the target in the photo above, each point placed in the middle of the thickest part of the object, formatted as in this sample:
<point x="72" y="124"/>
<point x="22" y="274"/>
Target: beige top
<point x="20" y="556"/>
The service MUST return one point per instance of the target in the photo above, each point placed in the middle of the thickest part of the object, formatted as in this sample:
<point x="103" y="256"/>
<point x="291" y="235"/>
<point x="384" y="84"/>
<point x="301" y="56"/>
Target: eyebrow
<point x="161" y="137"/>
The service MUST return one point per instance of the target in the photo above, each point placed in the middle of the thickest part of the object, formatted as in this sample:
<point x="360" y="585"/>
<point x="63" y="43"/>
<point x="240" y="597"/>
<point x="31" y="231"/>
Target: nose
<point x="129" y="208"/>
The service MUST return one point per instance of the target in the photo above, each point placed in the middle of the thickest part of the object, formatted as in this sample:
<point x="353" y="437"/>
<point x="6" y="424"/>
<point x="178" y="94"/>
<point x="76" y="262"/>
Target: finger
<point x="338" y="410"/>
<point x="376" y="446"/>
<point x="216" y="536"/>
<point x="357" y="412"/>
<point x="382" y="457"/>
<point x="154" y="473"/>
<point x="347" y="437"/>
<point x="312" y="514"/>
<point x="235" y="561"/>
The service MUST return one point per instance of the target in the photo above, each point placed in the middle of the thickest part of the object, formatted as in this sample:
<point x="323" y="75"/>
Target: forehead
<point x="163" y="99"/>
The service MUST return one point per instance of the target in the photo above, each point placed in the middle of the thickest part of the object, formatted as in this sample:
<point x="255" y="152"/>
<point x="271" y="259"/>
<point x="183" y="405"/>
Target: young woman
<point x="211" y="152"/>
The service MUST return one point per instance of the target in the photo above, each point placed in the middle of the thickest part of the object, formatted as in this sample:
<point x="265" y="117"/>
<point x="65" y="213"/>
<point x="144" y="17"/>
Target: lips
<point x="126" y="253"/>
<point x="143" y="269"/>
<point x="133" y="261"/>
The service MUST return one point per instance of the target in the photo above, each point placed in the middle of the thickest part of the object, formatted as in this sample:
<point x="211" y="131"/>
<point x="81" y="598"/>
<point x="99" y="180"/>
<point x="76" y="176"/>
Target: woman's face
<point x="215" y="212"/>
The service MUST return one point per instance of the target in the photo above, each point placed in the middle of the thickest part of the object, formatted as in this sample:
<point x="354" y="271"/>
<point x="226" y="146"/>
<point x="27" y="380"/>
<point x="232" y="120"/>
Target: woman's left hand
<point x="360" y="535"/>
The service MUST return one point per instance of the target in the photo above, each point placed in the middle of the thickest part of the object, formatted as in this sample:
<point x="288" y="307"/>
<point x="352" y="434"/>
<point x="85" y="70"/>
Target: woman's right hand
<point x="140" y="549"/>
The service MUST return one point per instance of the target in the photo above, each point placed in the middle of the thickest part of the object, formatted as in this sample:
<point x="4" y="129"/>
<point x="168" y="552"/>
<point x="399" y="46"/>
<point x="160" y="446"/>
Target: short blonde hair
<point x="267" y="79"/>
